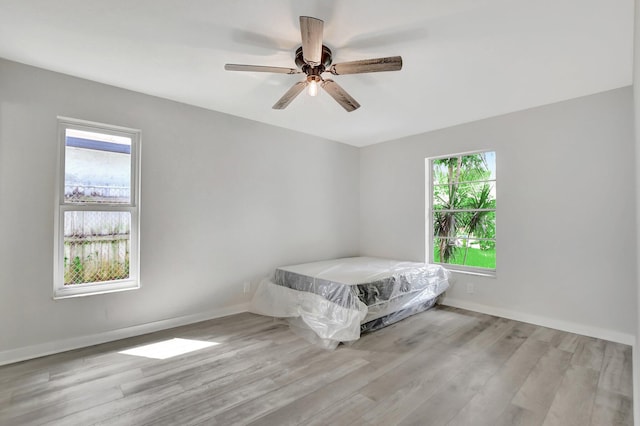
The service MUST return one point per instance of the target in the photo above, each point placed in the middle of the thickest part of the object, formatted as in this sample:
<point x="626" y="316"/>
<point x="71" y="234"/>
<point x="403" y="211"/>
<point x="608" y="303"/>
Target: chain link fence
<point x="96" y="246"/>
<point x="97" y="194"/>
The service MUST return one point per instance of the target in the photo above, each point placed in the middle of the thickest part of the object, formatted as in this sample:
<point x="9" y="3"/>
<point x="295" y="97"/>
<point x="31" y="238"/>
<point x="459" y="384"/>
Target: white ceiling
<point x="463" y="59"/>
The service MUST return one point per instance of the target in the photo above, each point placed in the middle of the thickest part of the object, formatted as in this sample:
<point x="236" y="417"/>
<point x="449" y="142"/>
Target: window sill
<point x="83" y="292"/>
<point x="489" y="274"/>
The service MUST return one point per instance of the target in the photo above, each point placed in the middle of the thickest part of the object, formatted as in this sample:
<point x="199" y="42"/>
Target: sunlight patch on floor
<point x="168" y="348"/>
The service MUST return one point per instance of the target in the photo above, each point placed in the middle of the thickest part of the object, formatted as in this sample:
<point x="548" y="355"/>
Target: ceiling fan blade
<point x="286" y="99"/>
<point x="260" y="68"/>
<point x="311" y="32"/>
<point x="392" y="63"/>
<point x="339" y="94"/>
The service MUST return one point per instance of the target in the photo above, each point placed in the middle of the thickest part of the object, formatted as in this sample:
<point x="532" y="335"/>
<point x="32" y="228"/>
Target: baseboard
<point x="36" y="351"/>
<point x="571" y="327"/>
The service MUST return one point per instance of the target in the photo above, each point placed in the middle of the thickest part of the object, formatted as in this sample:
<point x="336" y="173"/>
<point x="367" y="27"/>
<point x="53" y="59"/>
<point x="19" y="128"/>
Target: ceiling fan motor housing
<point x="317" y="70"/>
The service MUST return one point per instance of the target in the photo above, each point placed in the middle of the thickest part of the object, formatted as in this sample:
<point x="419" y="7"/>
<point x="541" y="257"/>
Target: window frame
<point x="60" y="290"/>
<point x="429" y="210"/>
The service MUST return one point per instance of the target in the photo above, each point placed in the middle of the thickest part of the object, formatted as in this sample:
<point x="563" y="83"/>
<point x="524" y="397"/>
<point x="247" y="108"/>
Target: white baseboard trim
<point x="571" y="327"/>
<point x="28" y="352"/>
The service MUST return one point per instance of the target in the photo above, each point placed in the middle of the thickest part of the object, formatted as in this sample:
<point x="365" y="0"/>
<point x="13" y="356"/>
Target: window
<point x="96" y="244"/>
<point x="462" y="212"/>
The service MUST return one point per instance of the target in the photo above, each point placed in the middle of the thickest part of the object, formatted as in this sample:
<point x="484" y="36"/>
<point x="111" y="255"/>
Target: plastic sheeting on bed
<point x="333" y="301"/>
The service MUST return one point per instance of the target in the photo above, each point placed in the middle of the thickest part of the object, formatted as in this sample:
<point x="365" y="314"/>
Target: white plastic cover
<point x="332" y="301"/>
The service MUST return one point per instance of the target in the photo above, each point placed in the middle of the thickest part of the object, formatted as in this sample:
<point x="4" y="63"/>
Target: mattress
<point x="337" y="299"/>
<point x="383" y="285"/>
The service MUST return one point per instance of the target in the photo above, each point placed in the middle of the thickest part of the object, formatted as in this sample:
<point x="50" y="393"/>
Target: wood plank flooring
<point x="445" y="366"/>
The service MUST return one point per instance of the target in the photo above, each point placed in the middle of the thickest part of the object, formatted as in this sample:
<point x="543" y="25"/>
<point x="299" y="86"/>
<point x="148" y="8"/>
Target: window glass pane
<point x="472" y="223"/>
<point x="464" y="168"/>
<point x="463" y="208"/>
<point x="97" y="168"/>
<point x="467" y="252"/>
<point x="96" y="246"/>
<point x="476" y="195"/>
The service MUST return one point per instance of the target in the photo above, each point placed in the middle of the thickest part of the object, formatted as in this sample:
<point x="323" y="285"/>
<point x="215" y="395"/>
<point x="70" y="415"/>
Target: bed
<point x="335" y="301"/>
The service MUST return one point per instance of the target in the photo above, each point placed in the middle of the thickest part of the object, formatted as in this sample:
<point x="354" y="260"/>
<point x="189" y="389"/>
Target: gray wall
<point x="636" y="115"/>
<point x="565" y="212"/>
<point x="224" y="200"/>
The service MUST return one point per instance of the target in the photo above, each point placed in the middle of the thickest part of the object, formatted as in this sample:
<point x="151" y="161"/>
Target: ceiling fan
<point x="314" y="58"/>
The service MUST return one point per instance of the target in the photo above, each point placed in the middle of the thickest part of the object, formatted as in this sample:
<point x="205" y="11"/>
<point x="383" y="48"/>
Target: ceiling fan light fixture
<point x="313" y="84"/>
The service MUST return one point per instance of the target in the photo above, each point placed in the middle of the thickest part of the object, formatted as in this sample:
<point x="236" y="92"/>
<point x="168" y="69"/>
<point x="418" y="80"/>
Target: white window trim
<point x="463" y="269"/>
<point x="60" y="291"/>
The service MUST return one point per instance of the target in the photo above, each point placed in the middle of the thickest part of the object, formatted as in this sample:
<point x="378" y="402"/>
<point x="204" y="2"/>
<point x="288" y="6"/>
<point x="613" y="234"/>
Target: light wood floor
<point x="442" y="367"/>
